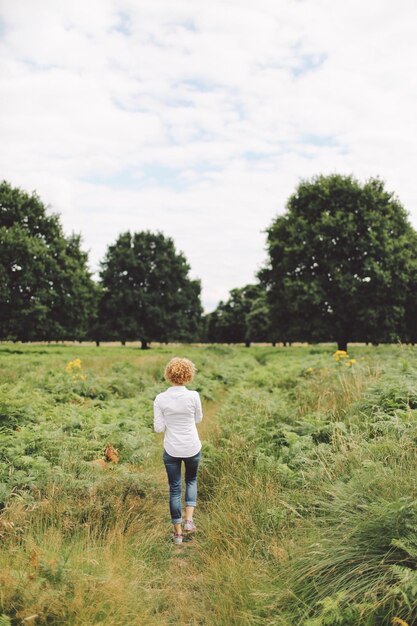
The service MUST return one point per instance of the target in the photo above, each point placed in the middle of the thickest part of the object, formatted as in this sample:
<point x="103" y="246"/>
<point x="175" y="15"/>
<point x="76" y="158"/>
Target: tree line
<point x="341" y="266"/>
<point x="47" y="291"/>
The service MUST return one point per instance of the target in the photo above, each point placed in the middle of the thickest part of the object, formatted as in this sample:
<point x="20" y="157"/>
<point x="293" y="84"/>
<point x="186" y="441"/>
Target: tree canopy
<point x="342" y="262"/>
<point x="45" y="286"/>
<point x="146" y="291"/>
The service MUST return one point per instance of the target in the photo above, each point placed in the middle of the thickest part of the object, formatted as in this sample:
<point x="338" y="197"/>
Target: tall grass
<point x="307" y="510"/>
<point x="81" y="544"/>
<point x="311" y="516"/>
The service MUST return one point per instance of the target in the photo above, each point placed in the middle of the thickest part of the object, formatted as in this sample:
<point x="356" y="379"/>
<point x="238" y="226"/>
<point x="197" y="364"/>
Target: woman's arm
<point x="158" y="418"/>
<point x="198" y="408"/>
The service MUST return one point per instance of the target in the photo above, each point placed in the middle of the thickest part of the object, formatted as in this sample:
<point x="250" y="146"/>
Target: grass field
<point x="307" y="505"/>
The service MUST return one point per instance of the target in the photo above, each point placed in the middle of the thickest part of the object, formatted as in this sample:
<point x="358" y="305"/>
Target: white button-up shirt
<point x="176" y="412"/>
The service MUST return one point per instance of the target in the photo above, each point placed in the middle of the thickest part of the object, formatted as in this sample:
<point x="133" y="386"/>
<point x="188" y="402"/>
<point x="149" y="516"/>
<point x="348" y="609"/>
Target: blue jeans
<point x="173" y="468"/>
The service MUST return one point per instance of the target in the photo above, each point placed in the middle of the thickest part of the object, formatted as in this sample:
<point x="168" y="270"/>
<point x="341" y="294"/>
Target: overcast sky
<point x="198" y="118"/>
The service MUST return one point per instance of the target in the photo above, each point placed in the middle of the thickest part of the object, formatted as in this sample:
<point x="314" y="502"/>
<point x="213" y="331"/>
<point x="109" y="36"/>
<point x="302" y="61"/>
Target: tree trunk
<point x="342" y="344"/>
<point x="284" y="343"/>
<point x="247" y="344"/>
<point x="97" y="343"/>
<point x="144" y="345"/>
<point x="274" y="343"/>
<point x="123" y="342"/>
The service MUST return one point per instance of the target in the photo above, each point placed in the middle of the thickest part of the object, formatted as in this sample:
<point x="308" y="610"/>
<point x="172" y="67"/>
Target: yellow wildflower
<point x="73" y="365"/>
<point x="340" y="354"/>
<point x="399" y="621"/>
<point x="309" y="370"/>
<point x="350" y="362"/>
<point x="75" y="369"/>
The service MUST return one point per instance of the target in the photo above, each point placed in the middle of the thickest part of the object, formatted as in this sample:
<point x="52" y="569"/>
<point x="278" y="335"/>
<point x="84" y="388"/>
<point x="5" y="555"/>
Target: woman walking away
<point x="176" y="412"/>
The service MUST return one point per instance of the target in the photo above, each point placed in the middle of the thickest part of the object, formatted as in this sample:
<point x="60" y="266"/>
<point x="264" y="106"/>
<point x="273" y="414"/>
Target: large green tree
<point x="146" y="291"/>
<point x="45" y="286"/>
<point x="341" y="263"/>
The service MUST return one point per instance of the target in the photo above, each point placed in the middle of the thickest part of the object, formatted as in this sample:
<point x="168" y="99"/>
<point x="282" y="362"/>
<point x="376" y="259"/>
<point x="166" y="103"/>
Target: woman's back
<point x="177" y="410"/>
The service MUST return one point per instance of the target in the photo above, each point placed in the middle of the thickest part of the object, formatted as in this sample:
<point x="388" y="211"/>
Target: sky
<point x="198" y="119"/>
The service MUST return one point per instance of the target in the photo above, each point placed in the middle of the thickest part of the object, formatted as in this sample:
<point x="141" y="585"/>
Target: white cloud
<point x="198" y="119"/>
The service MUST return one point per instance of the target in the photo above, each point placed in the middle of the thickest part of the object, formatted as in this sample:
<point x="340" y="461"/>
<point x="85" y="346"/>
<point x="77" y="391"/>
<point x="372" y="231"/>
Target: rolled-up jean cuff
<point x="191" y="504"/>
<point x="177" y="521"/>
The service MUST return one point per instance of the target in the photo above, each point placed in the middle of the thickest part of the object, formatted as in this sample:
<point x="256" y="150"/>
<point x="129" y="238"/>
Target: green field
<point x="307" y="506"/>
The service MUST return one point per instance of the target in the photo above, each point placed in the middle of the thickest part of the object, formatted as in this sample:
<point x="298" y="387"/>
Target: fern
<point x="405" y="588"/>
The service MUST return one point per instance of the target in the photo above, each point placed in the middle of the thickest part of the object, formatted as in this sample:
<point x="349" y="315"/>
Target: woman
<point x="176" y="412"/>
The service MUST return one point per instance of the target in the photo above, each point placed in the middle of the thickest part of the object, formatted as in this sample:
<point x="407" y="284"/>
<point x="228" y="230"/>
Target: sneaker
<point x="177" y="538"/>
<point x="189" y="526"/>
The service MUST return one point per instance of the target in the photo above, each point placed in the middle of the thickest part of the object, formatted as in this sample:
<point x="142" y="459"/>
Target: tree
<point x="410" y="318"/>
<point x="45" y="286"/>
<point x="339" y="262"/>
<point x="96" y="331"/>
<point x="244" y="317"/>
<point x="146" y="291"/>
<point x="258" y="318"/>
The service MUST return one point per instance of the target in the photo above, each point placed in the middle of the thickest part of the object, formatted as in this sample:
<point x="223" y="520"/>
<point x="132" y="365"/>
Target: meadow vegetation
<point x="307" y="507"/>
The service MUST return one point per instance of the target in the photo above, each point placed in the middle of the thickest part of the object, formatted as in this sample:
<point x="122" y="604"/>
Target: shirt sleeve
<point x="198" y="408"/>
<point x="158" y="418"/>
